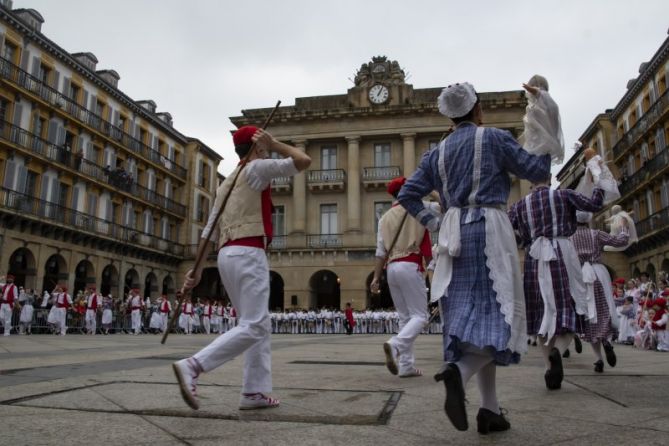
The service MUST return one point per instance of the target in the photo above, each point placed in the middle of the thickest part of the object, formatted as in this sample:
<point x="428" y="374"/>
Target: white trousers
<point x="245" y="276"/>
<point x="207" y="324"/>
<point x="164" y="321"/>
<point x="407" y="288"/>
<point x="136" y="316"/>
<point x="61" y="320"/>
<point x="91" y="323"/>
<point x="6" y="318"/>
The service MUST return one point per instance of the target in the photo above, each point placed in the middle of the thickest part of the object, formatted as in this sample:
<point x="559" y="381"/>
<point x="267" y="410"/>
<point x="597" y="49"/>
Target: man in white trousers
<point x="10" y="294"/>
<point x="63" y="301"/>
<point x="164" y="307"/>
<point x="244" y="230"/>
<point x="136" y="303"/>
<point x="405" y="279"/>
<point x="93" y="301"/>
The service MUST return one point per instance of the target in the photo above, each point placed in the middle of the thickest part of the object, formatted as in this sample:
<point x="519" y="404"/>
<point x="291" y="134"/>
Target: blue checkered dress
<point x="566" y="203"/>
<point x="471" y="312"/>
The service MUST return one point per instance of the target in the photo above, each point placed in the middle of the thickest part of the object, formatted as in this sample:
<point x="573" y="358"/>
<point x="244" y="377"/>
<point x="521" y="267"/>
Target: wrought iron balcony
<point x="645" y="173"/>
<point x="657" y="221"/>
<point x="278" y="242"/>
<point x="50" y="212"/>
<point x="25" y="80"/>
<point x="379" y="177"/>
<point x="63" y="156"/>
<point x="282" y="184"/>
<point x="326" y="180"/>
<point x="648" y="119"/>
<point x="324" y="240"/>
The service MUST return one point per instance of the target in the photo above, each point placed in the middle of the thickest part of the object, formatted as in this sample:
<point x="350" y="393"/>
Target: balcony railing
<point x="326" y="176"/>
<point x="282" y="181"/>
<point x="63" y="156"/>
<point x="278" y="242"/>
<point x="659" y="220"/>
<point x="190" y="251"/>
<point x="324" y="240"/>
<point x="380" y="173"/>
<point x="49" y="94"/>
<point x="649" y="118"/>
<point x="47" y="211"/>
<point x="646" y="172"/>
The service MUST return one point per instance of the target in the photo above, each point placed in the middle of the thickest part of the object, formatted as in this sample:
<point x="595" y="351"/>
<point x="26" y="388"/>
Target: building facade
<point x="325" y="219"/>
<point x="96" y="187"/>
<point x="632" y="138"/>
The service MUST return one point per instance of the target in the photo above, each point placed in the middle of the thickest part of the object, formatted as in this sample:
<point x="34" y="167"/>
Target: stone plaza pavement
<point x="120" y="390"/>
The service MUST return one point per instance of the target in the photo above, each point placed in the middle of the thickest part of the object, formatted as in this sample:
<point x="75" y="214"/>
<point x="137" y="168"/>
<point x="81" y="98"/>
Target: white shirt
<point x="432" y="207"/>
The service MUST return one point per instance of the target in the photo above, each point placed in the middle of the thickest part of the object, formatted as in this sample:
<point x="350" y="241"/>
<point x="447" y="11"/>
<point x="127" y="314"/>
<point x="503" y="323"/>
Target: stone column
<point x="353" y="184"/>
<point x="300" y="195"/>
<point x="409" y="144"/>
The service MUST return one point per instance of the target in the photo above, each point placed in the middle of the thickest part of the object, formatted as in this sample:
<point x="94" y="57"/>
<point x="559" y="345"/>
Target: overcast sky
<point x="204" y="61"/>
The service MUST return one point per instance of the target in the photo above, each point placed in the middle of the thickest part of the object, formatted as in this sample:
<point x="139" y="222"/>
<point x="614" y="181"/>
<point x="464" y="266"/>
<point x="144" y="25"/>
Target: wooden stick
<point x="201" y="253"/>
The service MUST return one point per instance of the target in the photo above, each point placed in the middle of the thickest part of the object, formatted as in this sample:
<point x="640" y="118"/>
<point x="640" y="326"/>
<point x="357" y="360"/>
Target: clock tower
<point x="380" y="83"/>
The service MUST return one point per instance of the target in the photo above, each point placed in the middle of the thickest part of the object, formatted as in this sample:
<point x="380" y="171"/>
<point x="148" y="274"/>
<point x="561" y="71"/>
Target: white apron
<point x="501" y="253"/>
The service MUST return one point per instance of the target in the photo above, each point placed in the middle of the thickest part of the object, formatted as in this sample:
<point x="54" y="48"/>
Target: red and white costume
<point x="206" y="318"/>
<point x="93" y="301"/>
<point x="9" y="295"/>
<point x="63" y="301"/>
<point x="136" y="303"/>
<point x="186" y="318"/>
<point x="164" y="310"/>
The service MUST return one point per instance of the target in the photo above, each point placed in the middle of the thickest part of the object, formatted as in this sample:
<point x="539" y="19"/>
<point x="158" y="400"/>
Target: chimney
<point x="166" y="118"/>
<point x="148" y="105"/>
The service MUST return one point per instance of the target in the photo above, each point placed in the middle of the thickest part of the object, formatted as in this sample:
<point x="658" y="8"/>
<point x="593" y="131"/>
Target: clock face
<point x="378" y="94"/>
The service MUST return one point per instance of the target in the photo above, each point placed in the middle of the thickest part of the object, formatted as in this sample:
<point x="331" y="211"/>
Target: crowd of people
<point x="91" y="313"/>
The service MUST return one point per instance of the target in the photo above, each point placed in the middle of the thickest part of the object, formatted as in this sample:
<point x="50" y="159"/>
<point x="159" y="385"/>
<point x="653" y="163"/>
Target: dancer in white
<point x="10" y="294"/>
<point x="405" y="278"/>
<point x="244" y="230"/>
<point x="93" y="302"/>
<point x="62" y="302"/>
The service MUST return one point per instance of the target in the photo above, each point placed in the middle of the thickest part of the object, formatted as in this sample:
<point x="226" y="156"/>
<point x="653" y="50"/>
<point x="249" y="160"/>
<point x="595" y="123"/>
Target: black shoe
<point x="578" y="346"/>
<point x="566" y="354"/>
<point x="529" y="341"/>
<point x="455" y="396"/>
<point x="599" y="366"/>
<point x="555" y="374"/>
<point x="534" y="343"/>
<point x="488" y="421"/>
<point x="610" y="354"/>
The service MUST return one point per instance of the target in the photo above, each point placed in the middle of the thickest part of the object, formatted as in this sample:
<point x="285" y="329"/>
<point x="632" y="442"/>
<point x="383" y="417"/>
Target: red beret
<point x="665" y="292"/>
<point x="395" y="185"/>
<point x="136" y="290"/>
<point x="64" y="289"/>
<point x="10" y="276"/>
<point x="91" y="287"/>
<point x="243" y="135"/>
<point x="620" y="281"/>
<point x="660" y="302"/>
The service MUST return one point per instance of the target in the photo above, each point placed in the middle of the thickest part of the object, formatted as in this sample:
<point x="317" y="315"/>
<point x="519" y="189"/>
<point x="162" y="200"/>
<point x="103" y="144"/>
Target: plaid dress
<point x="589" y="244"/>
<point x="470" y="311"/>
<point x="547" y="224"/>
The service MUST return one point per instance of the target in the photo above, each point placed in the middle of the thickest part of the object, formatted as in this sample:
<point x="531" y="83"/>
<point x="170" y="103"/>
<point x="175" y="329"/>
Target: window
<point x="3" y="112"/>
<point x="74" y="92"/>
<point x="380" y="208"/>
<point x="202" y="209"/>
<point x="44" y="74"/>
<point x="203" y="174"/>
<point x="328" y="219"/>
<point x="664" y="193"/>
<point x="31" y="180"/>
<point x="328" y="157"/>
<point x="626" y="123"/>
<point x="637" y="208"/>
<point x="38" y="126"/>
<point x="382" y="155"/>
<point x="660" y="143"/>
<point x="644" y="153"/>
<point x="653" y="91"/>
<point x="630" y="164"/>
<point x="278" y="221"/>
<point x="9" y="51"/>
<point x="62" y="194"/>
<point x="148" y="222"/>
<point x="650" y="202"/>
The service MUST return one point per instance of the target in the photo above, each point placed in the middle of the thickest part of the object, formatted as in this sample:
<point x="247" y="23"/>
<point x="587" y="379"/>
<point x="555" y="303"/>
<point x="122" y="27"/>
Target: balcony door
<point x="328" y="224"/>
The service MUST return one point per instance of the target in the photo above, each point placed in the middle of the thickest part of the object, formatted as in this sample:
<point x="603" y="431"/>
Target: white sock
<point x="597" y="349"/>
<point x="473" y="359"/>
<point x="487" y="387"/>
